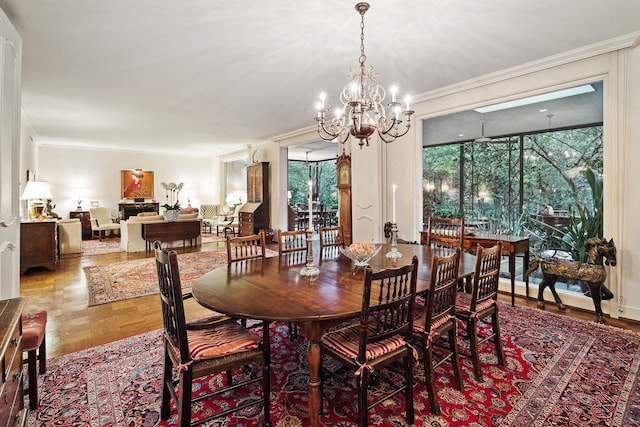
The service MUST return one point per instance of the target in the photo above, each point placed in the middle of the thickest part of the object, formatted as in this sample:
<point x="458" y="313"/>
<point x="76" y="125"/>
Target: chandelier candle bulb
<point x="407" y="99"/>
<point x="394" y="90"/>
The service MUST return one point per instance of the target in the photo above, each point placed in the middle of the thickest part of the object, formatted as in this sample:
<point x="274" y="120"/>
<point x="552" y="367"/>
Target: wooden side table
<point x="85" y="220"/>
<point x="38" y="245"/>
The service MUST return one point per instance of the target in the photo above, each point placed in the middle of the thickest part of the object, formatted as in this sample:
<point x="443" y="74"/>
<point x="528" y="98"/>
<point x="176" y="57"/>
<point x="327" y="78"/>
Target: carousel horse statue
<point x="592" y="273"/>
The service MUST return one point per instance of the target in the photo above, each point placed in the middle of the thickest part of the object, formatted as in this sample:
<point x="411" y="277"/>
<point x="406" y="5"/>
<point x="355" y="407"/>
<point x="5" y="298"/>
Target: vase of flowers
<point x="172" y="206"/>
<point x="361" y="253"/>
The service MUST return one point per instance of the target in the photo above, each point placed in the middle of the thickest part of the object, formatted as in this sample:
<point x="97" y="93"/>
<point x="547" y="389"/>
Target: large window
<point x="532" y="183"/>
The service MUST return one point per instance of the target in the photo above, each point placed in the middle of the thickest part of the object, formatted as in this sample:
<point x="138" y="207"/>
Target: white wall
<point x="95" y="175"/>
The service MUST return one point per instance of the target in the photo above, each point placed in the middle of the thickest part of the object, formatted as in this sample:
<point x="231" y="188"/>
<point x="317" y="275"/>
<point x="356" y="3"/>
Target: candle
<point x="394" y="204"/>
<point x="310" y="205"/>
<point x="407" y="99"/>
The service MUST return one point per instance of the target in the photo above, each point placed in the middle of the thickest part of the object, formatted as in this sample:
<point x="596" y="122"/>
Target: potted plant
<point x="172" y="206"/>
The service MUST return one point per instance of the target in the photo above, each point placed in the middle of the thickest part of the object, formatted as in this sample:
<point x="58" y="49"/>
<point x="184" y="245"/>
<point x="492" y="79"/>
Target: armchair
<point x="101" y="221"/>
<point x="210" y="215"/>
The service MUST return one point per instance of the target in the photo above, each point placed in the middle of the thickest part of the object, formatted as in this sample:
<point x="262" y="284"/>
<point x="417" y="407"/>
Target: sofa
<point x="131" y="231"/>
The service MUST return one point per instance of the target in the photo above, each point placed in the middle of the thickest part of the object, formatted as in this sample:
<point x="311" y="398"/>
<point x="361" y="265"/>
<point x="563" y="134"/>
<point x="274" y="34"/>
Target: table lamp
<point x="36" y="193"/>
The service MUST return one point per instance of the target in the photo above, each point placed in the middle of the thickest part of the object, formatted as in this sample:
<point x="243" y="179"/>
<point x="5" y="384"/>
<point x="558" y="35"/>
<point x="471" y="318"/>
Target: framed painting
<point x="136" y="184"/>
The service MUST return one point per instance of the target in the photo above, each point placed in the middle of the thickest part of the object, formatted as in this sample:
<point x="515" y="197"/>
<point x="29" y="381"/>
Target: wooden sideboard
<point x="132" y="209"/>
<point x="12" y="410"/>
<point x="170" y="232"/>
<point x="255" y="215"/>
<point x="38" y="245"/>
<point x="85" y="220"/>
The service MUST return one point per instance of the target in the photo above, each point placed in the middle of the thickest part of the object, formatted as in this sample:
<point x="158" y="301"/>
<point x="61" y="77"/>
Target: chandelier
<point x="362" y="112"/>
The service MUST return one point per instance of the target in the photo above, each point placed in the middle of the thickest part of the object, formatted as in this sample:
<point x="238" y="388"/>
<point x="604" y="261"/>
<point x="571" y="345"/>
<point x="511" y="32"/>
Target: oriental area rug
<point x="559" y="371"/>
<point x="108" y="245"/>
<point x="131" y="279"/>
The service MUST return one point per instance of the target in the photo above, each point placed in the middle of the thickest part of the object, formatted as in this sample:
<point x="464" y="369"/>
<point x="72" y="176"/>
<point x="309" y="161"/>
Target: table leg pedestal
<point x="313" y="332"/>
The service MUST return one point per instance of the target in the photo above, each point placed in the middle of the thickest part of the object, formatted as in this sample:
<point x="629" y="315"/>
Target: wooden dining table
<point x="273" y="290"/>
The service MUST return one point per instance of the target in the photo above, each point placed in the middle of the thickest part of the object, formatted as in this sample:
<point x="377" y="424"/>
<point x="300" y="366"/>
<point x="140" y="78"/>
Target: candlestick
<point x="310" y="205"/>
<point x="393" y="217"/>
<point x="394" y="253"/>
<point x="309" y="270"/>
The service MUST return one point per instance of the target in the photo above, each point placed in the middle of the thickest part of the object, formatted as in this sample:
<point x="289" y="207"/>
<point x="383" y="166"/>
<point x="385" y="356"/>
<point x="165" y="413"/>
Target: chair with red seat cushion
<point x="34" y="343"/>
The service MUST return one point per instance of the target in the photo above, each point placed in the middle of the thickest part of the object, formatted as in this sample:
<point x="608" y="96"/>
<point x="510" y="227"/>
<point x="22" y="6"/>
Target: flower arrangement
<point x="361" y="253"/>
<point x="172" y="191"/>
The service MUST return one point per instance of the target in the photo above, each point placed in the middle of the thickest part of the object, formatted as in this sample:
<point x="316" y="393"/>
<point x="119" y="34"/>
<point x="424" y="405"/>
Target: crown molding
<point x="631" y="40"/>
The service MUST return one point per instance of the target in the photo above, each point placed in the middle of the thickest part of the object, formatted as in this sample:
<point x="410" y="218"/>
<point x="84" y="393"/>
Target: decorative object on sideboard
<point x="36" y="193"/>
<point x="136" y="184"/>
<point x="79" y="207"/>
<point x="362" y="111"/>
<point x="172" y="205"/>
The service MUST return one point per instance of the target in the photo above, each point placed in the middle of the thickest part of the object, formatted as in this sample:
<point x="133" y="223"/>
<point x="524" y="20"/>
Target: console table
<point x="170" y="232"/>
<point x="511" y="246"/>
<point x="132" y="209"/>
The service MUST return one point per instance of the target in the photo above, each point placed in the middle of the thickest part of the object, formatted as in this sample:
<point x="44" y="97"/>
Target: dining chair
<point x="242" y="248"/>
<point x="196" y="350"/>
<point x="331" y="236"/>
<point x="436" y="319"/>
<point x="292" y="241"/>
<point x="101" y="221"/>
<point x="445" y="232"/>
<point x="381" y="337"/>
<point x="481" y="303"/>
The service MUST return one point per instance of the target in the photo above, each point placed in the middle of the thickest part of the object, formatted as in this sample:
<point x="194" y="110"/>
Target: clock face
<point x="343" y="175"/>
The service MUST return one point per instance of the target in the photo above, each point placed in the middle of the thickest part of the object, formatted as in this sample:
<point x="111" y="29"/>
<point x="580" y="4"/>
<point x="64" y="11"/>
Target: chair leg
<point x="184" y="404"/>
<point x="498" y="343"/>
<point x="408" y="395"/>
<point x="363" y="417"/>
<point x="455" y="356"/>
<point x="33" y="379"/>
<point x="266" y="375"/>
<point x="430" y="379"/>
<point x="472" y="331"/>
<point x="42" y="356"/>
<point x="165" y="408"/>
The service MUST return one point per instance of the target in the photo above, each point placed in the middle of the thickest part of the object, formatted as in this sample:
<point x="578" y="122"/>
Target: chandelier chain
<point x="363" y="57"/>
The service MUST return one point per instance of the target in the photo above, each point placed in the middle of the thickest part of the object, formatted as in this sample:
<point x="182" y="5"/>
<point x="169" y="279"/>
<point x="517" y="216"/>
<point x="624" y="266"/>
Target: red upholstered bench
<point x="33" y="342"/>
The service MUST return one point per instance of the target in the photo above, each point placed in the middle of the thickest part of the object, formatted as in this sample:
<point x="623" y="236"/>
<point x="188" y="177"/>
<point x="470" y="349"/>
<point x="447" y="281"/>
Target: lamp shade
<point x="36" y="190"/>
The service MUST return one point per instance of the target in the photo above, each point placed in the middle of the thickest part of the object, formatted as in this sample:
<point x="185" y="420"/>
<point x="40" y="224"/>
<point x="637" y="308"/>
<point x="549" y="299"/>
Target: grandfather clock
<point x="343" y="170"/>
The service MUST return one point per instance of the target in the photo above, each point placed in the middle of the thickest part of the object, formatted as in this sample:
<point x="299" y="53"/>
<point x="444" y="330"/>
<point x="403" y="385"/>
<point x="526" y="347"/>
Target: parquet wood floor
<point x="73" y="326"/>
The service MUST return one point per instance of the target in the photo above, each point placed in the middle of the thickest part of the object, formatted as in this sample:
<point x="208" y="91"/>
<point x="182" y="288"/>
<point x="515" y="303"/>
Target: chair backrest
<point x="445" y="232"/>
<point x="209" y="211"/>
<point x="487" y="274"/>
<point x="292" y="241"/>
<point x="387" y="305"/>
<point x="441" y="300"/>
<point x="173" y="318"/>
<point x="245" y="247"/>
<point x="101" y="215"/>
<point x="331" y="236"/>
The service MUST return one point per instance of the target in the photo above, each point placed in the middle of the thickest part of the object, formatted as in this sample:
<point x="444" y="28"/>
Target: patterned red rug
<point x="559" y="372"/>
<point x="131" y="279"/>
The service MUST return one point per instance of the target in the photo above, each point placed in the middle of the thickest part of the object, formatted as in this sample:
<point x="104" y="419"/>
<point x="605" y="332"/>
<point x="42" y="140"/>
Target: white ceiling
<point x="207" y="76"/>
